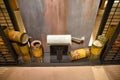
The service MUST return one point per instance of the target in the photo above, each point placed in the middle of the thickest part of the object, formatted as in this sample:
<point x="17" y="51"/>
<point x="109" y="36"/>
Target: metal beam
<point x="105" y="16"/>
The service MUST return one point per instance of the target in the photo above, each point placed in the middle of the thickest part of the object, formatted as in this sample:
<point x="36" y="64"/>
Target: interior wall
<point x="32" y="12"/>
<point x="55" y="16"/>
<point x="75" y="17"/>
<point x="81" y="17"/>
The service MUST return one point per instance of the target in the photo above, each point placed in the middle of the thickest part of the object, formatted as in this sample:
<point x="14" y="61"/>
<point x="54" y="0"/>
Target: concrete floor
<point x="60" y="73"/>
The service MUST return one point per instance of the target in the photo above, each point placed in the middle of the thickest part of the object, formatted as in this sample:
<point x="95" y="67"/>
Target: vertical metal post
<point x="105" y="16"/>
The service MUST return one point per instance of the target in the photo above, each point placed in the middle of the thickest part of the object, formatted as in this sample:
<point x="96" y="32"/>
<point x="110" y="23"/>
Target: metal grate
<point x="112" y="51"/>
<point x="113" y="18"/>
<point x="110" y="27"/>
<point x="7" y="55"/>
<point x="4" y="16"/>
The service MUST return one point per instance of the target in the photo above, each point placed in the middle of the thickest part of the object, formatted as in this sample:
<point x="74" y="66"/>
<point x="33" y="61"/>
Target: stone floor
<point x="113" y="72"/>
<point x="61" y="73"/>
